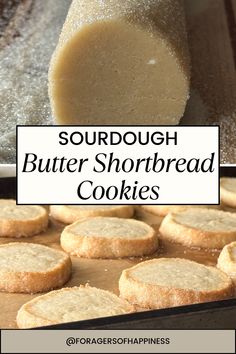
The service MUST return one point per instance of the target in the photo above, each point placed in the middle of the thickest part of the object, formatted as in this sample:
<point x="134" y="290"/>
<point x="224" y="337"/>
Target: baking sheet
<point x="99" y="273"/>
<point x="25" y="57"/>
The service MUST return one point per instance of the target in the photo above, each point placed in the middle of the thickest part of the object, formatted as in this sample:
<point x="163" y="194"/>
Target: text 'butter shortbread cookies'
<point x="32" y="268"/>
<point x="228" y="191"/>
<point x="70" y="305"/>
<point x="71" y="213"/>
<point x="197" y="227"/>
<point x="21" y="220"/>
<point x="102" y="237"/>
<point x="227" y="260"/>
<point x="169" y="282"/>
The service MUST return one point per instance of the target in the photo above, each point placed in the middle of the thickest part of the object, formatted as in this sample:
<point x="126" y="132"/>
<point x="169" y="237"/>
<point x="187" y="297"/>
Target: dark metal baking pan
<point x="215" y="315"/>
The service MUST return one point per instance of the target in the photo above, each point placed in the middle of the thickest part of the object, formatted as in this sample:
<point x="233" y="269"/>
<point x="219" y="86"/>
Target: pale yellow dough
<point x="120" y="62"/>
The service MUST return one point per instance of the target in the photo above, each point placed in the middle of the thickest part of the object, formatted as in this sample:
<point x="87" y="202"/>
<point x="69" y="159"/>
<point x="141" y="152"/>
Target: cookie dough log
<point x="121" y="62"/>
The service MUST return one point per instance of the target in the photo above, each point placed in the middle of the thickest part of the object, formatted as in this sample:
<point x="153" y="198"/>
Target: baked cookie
<point x="163" y="210"/>
<point x="71" y="213"/>
<point x="21" y="220"/>
<point x="227" y="261"/>
<point x="169" y="282"/>
<point x="200" y="228"/>
<point x="70" y="305"/>
<point x="228" y="191"/>
<point x="32" y="268"/>
<point x="103" y="237"/>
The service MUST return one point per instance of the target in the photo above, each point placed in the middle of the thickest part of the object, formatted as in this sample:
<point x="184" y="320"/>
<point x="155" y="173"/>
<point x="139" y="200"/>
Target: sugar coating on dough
<point x="121" y="61"/>
<point x="9" y="210"/>
<point x="180" y="274"/>
<point x="111" y="227"/>
<point x="28" y="257"/>
<point x="210" y="220"/>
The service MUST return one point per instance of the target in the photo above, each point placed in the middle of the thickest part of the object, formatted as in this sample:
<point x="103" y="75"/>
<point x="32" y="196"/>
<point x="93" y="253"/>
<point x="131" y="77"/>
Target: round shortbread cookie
<point x="102" y="237"/>
<point x="32" y="268"/>
<point x="68" y="214"/>
<point x="163" y="210"/>
<point x="169" y="282"/>
<point x="228" y="191"/>
<point x="227" y="261"/>
<point x="70" y="305"/>
<point x="200" y="228"/>
<point x="21" y="220"/>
